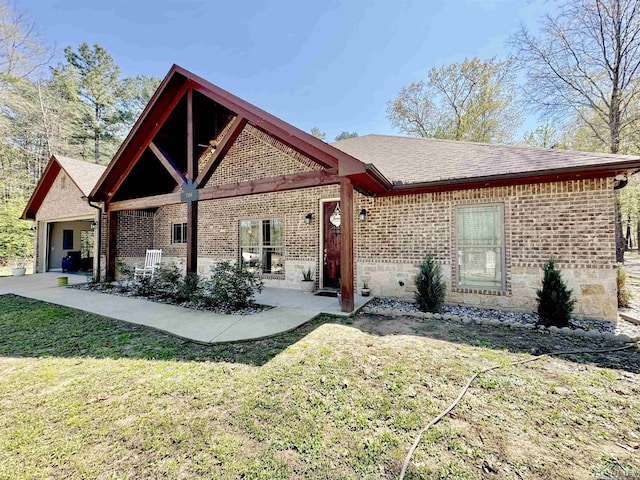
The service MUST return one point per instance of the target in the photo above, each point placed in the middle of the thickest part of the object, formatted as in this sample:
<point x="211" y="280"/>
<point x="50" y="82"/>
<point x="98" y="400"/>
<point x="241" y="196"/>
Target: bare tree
<point x="474" y="100"/>
<point x="585" y="63"/>
<point x="22" y="51"/>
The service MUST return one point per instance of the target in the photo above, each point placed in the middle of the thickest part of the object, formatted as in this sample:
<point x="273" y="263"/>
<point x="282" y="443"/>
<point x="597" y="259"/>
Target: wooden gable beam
<point x="278" y="183"/>
<point x="149" y="138"/>
<point x="168" y="164"/>
<point x="230" y="137"/>
<point x="192" y="203"/>
<point x="154" y="201"/>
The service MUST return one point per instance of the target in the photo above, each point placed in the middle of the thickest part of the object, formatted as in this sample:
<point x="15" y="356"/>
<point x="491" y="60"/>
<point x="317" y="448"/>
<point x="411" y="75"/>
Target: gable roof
<point x="173" y="87"/>
<point x="83" y="174"/>
<point x="375" y="164"/>
<point x="409" y="160"/>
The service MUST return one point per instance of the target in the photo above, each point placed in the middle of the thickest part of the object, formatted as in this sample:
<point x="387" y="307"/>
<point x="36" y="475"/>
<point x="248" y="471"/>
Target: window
<point x="480" y="245"/>
<point x="67" y="239"/>
<point x="261" y="246"/>
<point x="179" y="233"/>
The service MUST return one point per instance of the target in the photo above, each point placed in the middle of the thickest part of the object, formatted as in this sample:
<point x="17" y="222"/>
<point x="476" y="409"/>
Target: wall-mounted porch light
<point x="307" y="218"/>
<point x="94" y="225"/>
<point x="363" y="215"/>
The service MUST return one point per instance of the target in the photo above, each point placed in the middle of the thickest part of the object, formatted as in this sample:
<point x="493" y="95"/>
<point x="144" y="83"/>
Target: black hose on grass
<point x="405" y="465"/>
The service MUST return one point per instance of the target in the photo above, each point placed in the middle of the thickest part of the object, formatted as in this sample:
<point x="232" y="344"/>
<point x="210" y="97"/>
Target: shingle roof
<point x="84" y="174"/>
<point x="421" y="160"/>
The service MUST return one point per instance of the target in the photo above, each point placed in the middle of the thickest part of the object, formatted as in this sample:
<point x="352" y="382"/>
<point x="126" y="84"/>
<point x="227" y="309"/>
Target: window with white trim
<point x="261" y="246"/>
<point x="480" y="246"/>
<point x="179" y="233"/>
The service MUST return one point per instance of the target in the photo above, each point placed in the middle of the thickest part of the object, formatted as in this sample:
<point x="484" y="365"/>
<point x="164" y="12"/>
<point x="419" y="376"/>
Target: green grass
<point x="82" y="396"/>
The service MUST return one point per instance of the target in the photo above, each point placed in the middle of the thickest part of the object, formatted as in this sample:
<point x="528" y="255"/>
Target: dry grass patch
<point x="86" y="397"/>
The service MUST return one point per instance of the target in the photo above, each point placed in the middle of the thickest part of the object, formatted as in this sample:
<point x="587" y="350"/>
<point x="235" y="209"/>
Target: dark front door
<point x="331" y="245"/>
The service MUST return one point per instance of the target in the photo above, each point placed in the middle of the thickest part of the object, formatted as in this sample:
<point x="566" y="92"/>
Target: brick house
<point x="206" y="176"/>
<point x="64" y="220"/>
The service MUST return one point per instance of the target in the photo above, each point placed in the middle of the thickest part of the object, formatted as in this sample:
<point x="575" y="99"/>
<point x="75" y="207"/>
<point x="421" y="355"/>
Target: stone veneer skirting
<point x="593" y="288"/>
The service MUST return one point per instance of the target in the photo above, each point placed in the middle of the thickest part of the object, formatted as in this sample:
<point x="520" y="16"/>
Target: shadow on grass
<point x="515" y="340"/>
<point x="31" y="328"/>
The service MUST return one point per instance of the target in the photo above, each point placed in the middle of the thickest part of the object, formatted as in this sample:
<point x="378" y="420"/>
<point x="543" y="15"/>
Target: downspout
<point x="96" y="274"/>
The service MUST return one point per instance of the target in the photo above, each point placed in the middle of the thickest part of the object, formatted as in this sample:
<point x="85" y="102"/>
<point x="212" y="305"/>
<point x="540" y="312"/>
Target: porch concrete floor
<point x="292" y="308"/>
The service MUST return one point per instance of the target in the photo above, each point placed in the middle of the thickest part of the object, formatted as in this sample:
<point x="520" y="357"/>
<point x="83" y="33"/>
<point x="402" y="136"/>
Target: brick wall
<point x="135" y="233"/>
<point x="571" y="221"/>
<point x="255" y="155"/>
<point x="64" y="200"/>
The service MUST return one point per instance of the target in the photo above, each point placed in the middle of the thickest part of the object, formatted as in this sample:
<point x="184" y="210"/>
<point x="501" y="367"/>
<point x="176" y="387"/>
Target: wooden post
<point x="346" y="245"/>
<point x="192" y="204"/>
<point x="112" y="239"/>
<point x="192" y="237"/>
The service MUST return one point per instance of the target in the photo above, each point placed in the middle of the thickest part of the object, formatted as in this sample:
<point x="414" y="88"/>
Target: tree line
<point x="580" y="69"/>
<point x="81" y="107"/>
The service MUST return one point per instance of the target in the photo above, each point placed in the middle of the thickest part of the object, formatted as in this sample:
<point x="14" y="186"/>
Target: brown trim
<point x="230" y="137"/>
<point x="375" y="173"/>
<point x="271" y="184"/>
<point x="102" y="188"/>
<point x="142" y="203"/>
<point x="111" y="251"/>
<point x="279" y="183"/>
<point x="169" y="93"/>
<point x="192" y="237"/>
<point x="346" y="246"/>
<point x="168" y="164"/>
<point x="42" y="188"/>
<point x="191" y="168"/>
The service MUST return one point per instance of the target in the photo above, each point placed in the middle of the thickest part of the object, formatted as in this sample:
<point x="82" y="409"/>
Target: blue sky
<point x="331" y="64"/>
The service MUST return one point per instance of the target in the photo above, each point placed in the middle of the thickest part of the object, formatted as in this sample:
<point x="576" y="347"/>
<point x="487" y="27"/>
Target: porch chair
<point x="151" y="263"/>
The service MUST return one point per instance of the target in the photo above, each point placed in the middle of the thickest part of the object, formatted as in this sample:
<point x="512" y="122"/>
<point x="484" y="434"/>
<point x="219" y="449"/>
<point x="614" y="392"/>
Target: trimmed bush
<point x="624" y="294"/>
<point x="430" y="288"/>
<point x="231" y="287"/>
<point x="188" y="288"/>
<point x="554" y="299"/>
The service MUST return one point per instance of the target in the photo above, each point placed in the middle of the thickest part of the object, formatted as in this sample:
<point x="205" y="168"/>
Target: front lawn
<point x="82" y="396"/>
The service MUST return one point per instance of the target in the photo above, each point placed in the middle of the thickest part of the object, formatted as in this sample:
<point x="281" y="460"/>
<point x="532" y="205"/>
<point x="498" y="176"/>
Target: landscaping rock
<point x="579" y="327"/>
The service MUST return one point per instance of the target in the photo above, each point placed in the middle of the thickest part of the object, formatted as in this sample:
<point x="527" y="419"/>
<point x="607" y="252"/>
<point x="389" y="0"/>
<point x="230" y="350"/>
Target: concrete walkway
<point x="292" y="308"/>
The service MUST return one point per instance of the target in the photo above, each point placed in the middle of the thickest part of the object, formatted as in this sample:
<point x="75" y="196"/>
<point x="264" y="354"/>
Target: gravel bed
<point x="386" y="306"/>
<point x="113" y="290"/>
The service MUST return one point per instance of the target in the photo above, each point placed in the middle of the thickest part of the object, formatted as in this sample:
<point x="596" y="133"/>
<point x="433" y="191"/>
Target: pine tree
<point x="554" y="299"/>
<point x="430" y="289"/>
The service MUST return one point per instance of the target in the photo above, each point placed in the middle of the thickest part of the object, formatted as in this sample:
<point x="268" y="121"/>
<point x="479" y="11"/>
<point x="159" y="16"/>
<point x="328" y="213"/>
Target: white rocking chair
<point x="151" y="263"/>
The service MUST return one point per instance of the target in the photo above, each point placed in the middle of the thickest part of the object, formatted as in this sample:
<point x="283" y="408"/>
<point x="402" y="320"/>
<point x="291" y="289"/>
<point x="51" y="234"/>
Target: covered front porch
<point x="203" y="163"/>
